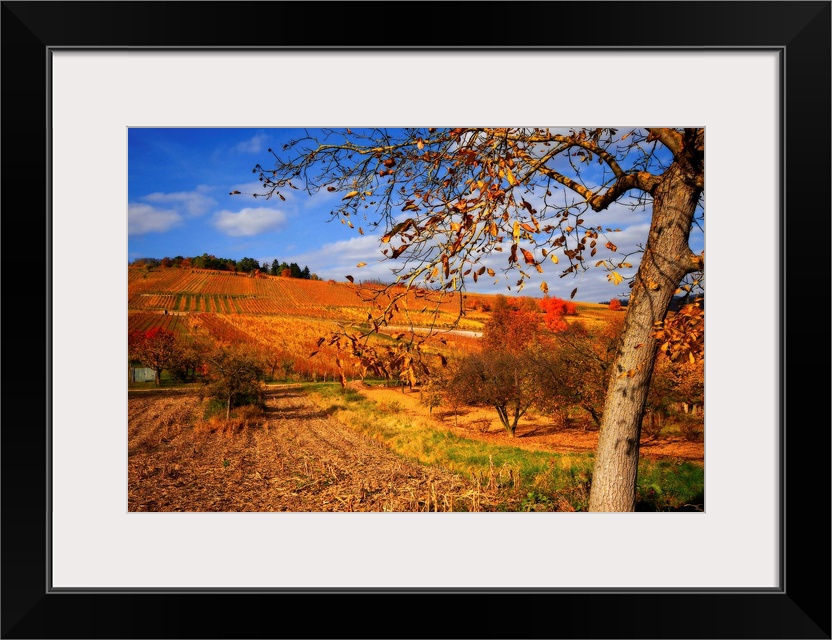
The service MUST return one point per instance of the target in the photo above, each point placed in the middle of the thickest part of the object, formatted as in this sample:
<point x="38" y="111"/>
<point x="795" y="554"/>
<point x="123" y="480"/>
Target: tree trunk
<point x="501" y="411"/>
<point x="158" y="377"/>
<point x="666" y="260"/>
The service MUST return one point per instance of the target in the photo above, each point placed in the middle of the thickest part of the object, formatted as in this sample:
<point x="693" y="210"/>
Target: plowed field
<point x="298" y="460"/>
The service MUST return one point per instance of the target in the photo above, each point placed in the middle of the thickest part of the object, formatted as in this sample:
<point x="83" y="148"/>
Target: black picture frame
<point x="800" y="31"/>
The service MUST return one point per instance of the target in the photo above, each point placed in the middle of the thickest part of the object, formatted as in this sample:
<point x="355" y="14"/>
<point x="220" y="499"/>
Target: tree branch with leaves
<point x="444" y="201"/>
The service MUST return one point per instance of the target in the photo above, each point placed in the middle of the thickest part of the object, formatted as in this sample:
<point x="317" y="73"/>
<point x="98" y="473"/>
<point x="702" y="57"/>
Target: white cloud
<point x="249" y="221"/>
<point x="335" y="260"/>
<point x="191" y="203"/>
<point x="144" y="218"/>
<point x="254" y="145"/>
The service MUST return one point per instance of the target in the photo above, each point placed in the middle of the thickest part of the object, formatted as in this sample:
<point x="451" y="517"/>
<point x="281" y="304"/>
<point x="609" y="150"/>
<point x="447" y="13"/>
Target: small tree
<point x="271" y="360"/>
<point x="574" y="365"/>
<point x="509" y="330"/>
<point x="555" y="309"/>
<point x="155" y="348"/>
<point x="615" y="304"/>
<point x="501" y="376"/>
<point x="187" y="361"/>
<point x="502" y="380"/>
<point x="288" y="367"/>
<point x="233" y="376"/>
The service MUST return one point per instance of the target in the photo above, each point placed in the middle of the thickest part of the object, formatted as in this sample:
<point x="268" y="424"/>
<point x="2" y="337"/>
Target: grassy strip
<point x="544" y="481"/>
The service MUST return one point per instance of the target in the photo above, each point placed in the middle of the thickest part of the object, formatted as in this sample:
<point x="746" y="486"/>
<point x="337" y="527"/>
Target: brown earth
<point x="298" y="458"/>
<point x="533" y="432"/>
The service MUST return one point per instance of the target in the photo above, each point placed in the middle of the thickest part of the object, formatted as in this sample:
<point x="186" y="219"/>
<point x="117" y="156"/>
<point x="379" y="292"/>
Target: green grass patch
<point x="535" y="480"/>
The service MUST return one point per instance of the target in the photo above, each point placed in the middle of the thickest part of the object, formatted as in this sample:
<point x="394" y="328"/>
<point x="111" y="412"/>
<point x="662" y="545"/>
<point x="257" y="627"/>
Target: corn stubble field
<point x="317" y="447"/>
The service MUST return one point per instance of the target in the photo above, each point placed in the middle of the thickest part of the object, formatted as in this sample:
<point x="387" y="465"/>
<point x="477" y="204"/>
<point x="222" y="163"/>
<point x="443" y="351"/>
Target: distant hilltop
<point x="211" y="262"/>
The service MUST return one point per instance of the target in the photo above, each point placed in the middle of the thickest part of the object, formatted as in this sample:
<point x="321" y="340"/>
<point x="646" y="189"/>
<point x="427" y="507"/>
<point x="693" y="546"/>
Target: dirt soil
<point x="534" y="432"/>
<point x="300" y="459"/>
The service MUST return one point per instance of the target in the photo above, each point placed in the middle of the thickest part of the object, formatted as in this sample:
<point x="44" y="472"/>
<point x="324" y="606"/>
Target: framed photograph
<point x="79" y="76"/>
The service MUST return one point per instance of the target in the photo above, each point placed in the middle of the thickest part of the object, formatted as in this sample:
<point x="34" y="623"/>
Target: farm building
<point x="142" y="374"/>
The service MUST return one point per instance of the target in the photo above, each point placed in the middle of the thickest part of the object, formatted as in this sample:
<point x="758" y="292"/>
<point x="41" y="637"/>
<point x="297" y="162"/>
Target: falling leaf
<point x="361" y="264"/>
<point x="611" y="246"/>
<point x="544" y="287"/>
<point x="351" y="194"/>
<point x="615" y="277"/>
<point x="528" y="256"/>
<point x="350" y="278"/>
<point x="491" y="272"/>
<point x="361" y="231"/>
<point x="574" y="291"/>
<point x="331" y="189"/>
<point x="234" y="193"/>
<point x="554" y="258"/>
<point x="515" y="234"/>
<point x="312" y="354"/>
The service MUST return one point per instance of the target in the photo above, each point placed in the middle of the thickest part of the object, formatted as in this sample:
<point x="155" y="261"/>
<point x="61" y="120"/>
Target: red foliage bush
<point x="555" y="309"/>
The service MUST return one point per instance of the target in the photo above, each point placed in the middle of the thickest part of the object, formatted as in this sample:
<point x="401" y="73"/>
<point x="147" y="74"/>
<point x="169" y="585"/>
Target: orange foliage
<point x="555" y="309"/>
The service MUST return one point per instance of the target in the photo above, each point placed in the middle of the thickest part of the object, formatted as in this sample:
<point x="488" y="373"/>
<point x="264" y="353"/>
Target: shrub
<point x="691" y="427"/>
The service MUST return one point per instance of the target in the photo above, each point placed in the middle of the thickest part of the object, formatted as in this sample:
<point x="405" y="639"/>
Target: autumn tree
<point x="189" y="358"/>
<point x="502" y="380"/>
<point x="574" y="364"/>
<point x="234" y="375"/>
<point x="446" y="203"/>
<point x="502" y="375"/>
<point x="157" y="349"/>
<point x="676" y="384"/>
<point x="615" y="304"/>
<point x="509" y="330"/>
<point x="554" y="310"/>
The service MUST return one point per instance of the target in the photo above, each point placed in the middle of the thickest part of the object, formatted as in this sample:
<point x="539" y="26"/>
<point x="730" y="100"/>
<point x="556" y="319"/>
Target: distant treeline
<point x="675" y="304"/>
<point x="246" y="265"/>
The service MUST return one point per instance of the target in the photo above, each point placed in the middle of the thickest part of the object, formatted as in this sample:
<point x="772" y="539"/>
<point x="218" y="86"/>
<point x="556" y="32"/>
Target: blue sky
<point x="180" y="179"/>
